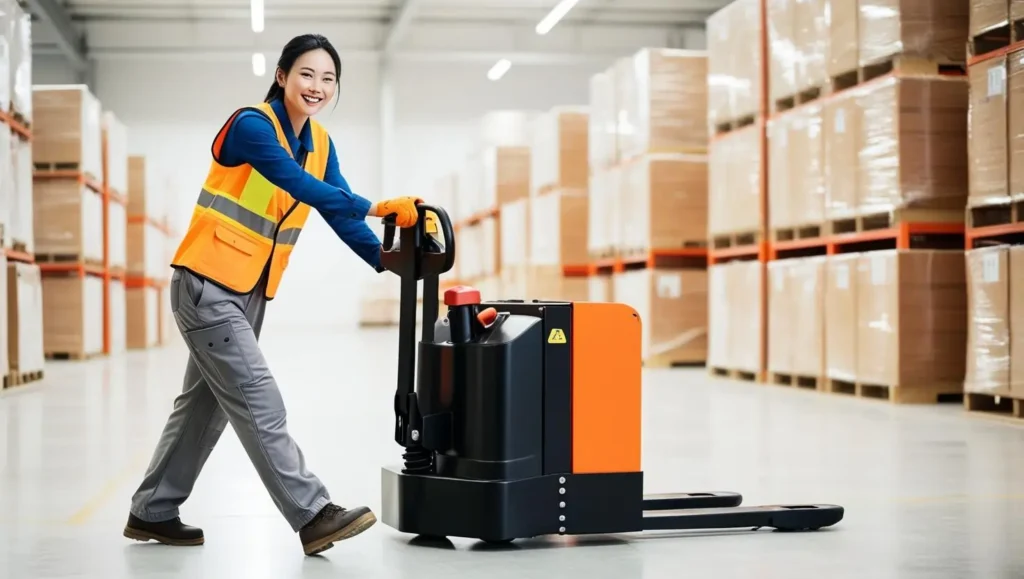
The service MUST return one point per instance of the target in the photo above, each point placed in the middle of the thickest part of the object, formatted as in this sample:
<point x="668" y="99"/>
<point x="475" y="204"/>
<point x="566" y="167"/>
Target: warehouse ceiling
<point x="447" y="30"/>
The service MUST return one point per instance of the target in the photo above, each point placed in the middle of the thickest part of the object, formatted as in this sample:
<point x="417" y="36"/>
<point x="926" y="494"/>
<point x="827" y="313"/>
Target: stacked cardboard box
<point x="796" y="317"/>
<point x="147" y="266"/>
<point x="673" y="305"/>
<point x="73" y="315"/>
<point x="934" y="30"/>
<point x="875" y="339"/>
<point x="734" y="63"/>
<point x="116" y="136"/>
<point x="558" y="239"/>
<point x="68" y="220"/>
<point x="24" y="319"/>
<point x="798" y="40"/>
<point x="995" y="360"/>
<point x="735" y="313"/>
<point x="17" y="30"/>
<point x="735" y="183"/>
<point x="796" y="169"/>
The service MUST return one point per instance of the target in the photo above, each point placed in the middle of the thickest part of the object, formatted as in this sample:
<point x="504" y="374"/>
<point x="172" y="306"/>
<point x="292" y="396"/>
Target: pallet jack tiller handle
<point x="418" y="255"/>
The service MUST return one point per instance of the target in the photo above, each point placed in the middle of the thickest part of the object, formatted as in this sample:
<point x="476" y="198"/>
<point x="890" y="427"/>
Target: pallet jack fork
<point x="522" y="418"/>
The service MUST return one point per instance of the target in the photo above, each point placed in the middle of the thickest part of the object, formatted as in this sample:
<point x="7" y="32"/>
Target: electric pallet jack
<point x="523" y="418"/>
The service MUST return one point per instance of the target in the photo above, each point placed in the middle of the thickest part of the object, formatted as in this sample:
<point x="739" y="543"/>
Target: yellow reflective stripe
<point x="257" y="193"/>
<point x="227" y="207"/>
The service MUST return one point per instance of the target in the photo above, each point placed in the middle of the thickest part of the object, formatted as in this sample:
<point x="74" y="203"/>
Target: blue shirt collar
<point x="305" y="137"/>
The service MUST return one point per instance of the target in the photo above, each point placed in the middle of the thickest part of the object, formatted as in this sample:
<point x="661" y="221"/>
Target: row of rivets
<point x="561" y="505"/>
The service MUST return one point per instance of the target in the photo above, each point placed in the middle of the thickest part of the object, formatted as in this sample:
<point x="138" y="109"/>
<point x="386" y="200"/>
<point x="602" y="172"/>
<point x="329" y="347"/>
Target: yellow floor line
<point x="89" y="509"/>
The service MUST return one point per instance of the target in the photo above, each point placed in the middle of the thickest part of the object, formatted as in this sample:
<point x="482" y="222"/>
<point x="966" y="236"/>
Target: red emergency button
<point x="461" y="295"/>
<point x="487" y="317"/>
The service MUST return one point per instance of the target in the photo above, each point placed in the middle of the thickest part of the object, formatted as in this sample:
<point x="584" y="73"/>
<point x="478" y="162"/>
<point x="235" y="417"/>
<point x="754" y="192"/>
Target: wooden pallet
<point x="802" y="97"/>
<point x="801" y="381"/>
<point x="990" y="405"/>
<point x="994" y="211"/>
<point x="898" y="394"/>
<point x="731" y="240"/>
<point x="73" y="356"/>
<point x="799" y="232"/>
<point x="899" y="64"/>
<point x="60" y="258"/>
<point x="989" y="40"/>
<point x="736" y="124"/>
<point x="734" y="374"/>
<point x="889" y="219"/>
<point x="13" y="379"/>
<point x="670" y="361"/>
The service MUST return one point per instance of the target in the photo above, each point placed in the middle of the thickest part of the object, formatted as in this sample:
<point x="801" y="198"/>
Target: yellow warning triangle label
<point x="556" y="336"/>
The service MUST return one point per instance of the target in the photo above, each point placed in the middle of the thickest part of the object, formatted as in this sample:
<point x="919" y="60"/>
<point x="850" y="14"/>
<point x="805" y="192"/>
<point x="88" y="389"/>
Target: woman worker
<point x="271" y="164"/>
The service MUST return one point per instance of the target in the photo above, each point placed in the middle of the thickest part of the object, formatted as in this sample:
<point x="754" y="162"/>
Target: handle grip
<point x="446" y="229"/>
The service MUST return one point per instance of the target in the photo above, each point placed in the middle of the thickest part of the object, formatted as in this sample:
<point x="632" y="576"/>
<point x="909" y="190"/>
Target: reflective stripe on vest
<point x="251" y="220"/>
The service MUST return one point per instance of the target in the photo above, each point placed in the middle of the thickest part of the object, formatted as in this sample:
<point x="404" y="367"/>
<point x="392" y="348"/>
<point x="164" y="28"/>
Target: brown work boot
<point x="172" y="532"/>
<point x="334" y="523"/>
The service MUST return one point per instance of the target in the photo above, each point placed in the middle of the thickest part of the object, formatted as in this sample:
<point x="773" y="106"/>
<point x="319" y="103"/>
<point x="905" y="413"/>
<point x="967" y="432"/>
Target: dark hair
<point x="295" y="48"/>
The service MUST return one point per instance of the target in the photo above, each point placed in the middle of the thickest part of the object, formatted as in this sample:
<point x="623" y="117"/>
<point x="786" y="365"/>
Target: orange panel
<point x="606" y="391"/>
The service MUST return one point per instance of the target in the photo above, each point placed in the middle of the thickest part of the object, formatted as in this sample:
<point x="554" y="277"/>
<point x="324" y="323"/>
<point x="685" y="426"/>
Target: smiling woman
<point x="272" y="164"/>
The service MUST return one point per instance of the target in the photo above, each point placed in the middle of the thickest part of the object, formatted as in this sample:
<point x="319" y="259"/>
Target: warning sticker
<point x="556" y="336"/>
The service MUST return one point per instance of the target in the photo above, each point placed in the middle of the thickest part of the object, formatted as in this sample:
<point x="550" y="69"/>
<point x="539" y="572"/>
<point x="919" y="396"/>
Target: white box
<point x="118" y="236"/>
<point x="21" y="61"/>
<point x="25" y="317"/>
<point x="22" y="218"/>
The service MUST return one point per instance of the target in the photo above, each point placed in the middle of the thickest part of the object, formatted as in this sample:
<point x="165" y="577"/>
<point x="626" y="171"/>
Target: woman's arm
<point x="253" y="140"/>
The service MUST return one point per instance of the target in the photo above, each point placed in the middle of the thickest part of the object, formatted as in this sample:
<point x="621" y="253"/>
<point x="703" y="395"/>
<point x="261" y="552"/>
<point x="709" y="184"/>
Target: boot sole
<point x="144" y="536"/>
<point x="351" y="530"/>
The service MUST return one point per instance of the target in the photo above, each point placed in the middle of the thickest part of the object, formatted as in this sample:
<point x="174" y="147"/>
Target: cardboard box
<point x="1016" y="10"/>
<point x="841" y="316"/>
<point x="7" y="181"/>
<point x="922" y="28"/>
<point x="559" y="155"/>
<point x="605" y="224"/>
<point x="734" y="62"/>
<point x="20" y="29"/>
<point x="796" y="316"/>
<point x="988" y="329"/>
<point x="808" y="166"/>
<point x="734" y="178"/>
<point x="21" y="227"/>
<point x="117" y="229"/>
<point x="843" y="37"/>
<point x="66" y="130"/>
<point x="602" y="132"/>
<point x="665" y="202"/>
<point x="781" y="313"/>
<point x="73" y="315"/>
<point x="781" y="193"/>
<point x="841" y="125"/>
<point x="143" y="317"/>
<point x="665" y="108"/>
<point x="811" y="36"/>
<point x="116" y="135"/>
<point x="145" y="251"/>
<point x="986" y="15"/>
<point x="987" y="144"/>
<point x="559" y="228"/>
<point x="68" y="220"/>
<point x="118" y="317"/>
<point x="720" y="350"/>
<point x="783" y="48"/>
<point x="24" y="318"/>
<point x="6" y="64"/>
<point x="913" y="144"/>
<point x="919" y="349"/>
<point x="1016" y="315"/>
<point x="673" y="307"/>
<point x="1015" y="120"/>
<point x="746" y="278"/>
<point x="506" y="172"/>
<point x="515" y="225"/>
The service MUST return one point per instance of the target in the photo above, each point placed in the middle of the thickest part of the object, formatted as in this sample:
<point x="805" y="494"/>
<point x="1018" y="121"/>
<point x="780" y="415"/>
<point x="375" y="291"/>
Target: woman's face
<point x="311" y="83"/>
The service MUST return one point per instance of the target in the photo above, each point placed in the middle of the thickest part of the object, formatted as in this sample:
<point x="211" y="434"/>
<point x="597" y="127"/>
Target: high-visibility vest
<point x="242" y="222"/>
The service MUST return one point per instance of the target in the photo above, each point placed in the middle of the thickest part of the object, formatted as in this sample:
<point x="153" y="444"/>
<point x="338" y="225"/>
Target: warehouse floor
<point x="929" y="492"/>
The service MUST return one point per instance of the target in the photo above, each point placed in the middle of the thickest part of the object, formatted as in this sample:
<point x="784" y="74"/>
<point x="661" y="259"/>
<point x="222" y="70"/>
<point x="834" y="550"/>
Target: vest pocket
<point x="225" y="237"/>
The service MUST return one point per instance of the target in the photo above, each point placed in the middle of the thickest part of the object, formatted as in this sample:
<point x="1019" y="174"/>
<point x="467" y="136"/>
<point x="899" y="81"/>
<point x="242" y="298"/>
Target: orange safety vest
<point x="242" y="221"/>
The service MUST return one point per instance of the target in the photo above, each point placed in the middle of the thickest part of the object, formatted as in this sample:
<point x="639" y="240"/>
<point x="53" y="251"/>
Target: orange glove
<point x="403" y="208"/>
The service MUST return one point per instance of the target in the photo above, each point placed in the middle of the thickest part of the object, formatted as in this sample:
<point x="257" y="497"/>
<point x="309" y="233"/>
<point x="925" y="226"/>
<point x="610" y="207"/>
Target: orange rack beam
<point x="992" y="232"/>
<point x="684" y="256"/>
<point x="903" y="235"/>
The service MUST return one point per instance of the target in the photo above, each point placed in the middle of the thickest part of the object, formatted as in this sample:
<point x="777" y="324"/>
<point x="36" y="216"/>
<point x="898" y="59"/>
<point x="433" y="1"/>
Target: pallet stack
<point x="68" y="214"/>
<point x="148" y="271"/>
<point x="115" y="247"/>
<point x="994" y="378"/>
<point x="865" y="179"/>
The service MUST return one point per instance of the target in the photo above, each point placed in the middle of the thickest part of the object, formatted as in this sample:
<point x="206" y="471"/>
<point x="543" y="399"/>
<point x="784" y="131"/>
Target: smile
<point x="312" y="100"/>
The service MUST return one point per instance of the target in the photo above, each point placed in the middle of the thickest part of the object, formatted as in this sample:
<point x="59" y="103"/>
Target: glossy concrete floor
<point x="929" y="491"/>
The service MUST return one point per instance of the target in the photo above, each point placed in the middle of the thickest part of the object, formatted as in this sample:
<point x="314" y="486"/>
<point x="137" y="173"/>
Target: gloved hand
<point x="404" y="209"/>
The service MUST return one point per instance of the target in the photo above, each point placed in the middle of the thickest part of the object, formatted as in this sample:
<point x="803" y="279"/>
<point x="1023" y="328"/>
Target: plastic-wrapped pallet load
<point x="918" y="351"/>
<point x="673" y="307"/>
<point x="734" y="62"/>
<point x="146" y="195"/>
<point x="665" y="202"/>
<point x="746" y="279"/>
<point x="68" y="220"/>
<point x="558" y="238"/>
<point x="841" y="320"/>
<point x="988" y="147"/>
<point x="602" y="144"/>
<point x="988" y="327"/>
<point x="604" y="235"/>
<point x="922" y="28"/>
<point x="7" y="184"/>
<point x="21" y="63"/>
<point x="73" y="315"/>
<point x="811" y="18"/>
<point x="664" y="106"/>
<point x="118" y="236"/>
<point x="913" y="145"/>
<point x="781" y="19"/>
<point x="1015" y="119"/>
<point x="987" y="15"/>
<point x="807" y="166"/>
<point x="843" y="44"/>
<point x="66" y="129"/>
<point x="796" y="319"/>
<point x="506" y="173"/>
<point x="118" y="317"/>
<point x="734" y="179"/>
<point x="143" y="314"/>
<point x="841" y="125"/>
<point x="24" y="318"/>
<point x="22" y="220"/>
<point x="558" y="155"/>
<point x="781" y="196"/>
<point x="720" y="349"/>
<point x="6" y="53"/>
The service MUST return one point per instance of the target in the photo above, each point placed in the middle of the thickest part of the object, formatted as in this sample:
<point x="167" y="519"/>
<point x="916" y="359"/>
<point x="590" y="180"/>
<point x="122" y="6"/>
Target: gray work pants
<point x="226" y="381"/>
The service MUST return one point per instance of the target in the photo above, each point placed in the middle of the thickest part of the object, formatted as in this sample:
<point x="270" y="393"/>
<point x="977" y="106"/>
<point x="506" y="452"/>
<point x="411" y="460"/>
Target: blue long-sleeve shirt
<point x="252" y="139"/>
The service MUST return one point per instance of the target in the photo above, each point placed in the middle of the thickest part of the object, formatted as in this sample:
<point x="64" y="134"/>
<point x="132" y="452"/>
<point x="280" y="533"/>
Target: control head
<point x="419" y="252"/>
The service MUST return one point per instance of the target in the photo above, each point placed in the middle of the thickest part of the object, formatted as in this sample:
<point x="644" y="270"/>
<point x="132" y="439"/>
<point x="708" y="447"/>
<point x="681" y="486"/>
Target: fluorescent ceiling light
<point x="256" y="8"/>
<point x="556" y="14"/>
<point x="499" y="69"/>
<point x="259" y="64"/>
